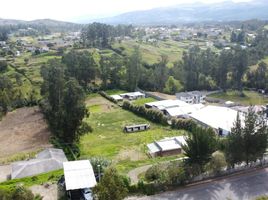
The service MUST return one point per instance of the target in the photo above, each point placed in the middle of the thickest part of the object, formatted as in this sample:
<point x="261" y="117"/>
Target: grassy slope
<point x="152" y="53"/>
<point x="109" y="140"/>
<point x="34" y="180"/>
<point x="254" y="67"/>
<point x="251" y="98"/>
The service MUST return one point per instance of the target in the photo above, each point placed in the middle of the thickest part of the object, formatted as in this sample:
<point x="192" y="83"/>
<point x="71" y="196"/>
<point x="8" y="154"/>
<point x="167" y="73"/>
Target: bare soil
<point x="5" y="171"/>
<point x="49" y="192"/>
<point x="23" y="130"/>
<point x="163" y="96"/>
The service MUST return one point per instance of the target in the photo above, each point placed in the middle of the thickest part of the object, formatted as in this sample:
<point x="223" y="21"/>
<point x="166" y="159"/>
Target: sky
<point x="74" y="10"/>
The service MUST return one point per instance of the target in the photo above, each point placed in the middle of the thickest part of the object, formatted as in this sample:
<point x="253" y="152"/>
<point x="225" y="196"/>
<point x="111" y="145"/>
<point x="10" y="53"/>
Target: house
<point x="167" y="146"/>
<point x="194" y="97"/>
<point x="221" y="119"/>
<point x="48" y="160"/>
<point x="182" y="111"/>
<point x="132" y="95"/>
<point x="78" y="175"/>
<point x="164" y="104"/>
<point x="136" y="128"/>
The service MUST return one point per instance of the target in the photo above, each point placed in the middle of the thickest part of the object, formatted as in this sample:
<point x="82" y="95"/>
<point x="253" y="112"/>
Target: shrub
<point x="185" y="124"/>
<point x="105" y="95"/>
<point x="176" y="173"/>
<point x="104" y="163"/>
<point x="22" y="193"/>
<point x="154" y="173"/>
<point x="150" y="114"/>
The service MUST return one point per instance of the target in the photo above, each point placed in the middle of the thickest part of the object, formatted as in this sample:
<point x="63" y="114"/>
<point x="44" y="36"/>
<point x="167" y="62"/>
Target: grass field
<point x="142" y="101"/>
<point x="127" y="151"/>
<point x="34" y="180"/>
<point x="152" y="53"/>
<point x="250" y="98"/>
<point x="254" y="67"/>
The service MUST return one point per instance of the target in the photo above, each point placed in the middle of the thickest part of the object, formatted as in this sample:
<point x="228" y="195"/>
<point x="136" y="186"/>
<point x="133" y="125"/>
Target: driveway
<point x="239" y="187"/>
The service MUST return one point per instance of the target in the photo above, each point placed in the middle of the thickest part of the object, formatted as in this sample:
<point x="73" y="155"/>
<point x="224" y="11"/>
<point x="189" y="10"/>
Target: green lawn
<point x="108" y="140"/>
<point x="34" y="180"/>
<point x="142" y="101"/>
<point x="251" y="98"/>
<point x="152" y="53"/>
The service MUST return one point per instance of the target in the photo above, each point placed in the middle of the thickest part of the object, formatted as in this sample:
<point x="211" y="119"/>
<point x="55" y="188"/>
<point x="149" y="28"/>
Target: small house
<point x="136" y="128"/>
<point x="117" y="97"/>
<point x="133" y="95"/>
<point x="193" y="97"/>
<point x="167" y="146"/>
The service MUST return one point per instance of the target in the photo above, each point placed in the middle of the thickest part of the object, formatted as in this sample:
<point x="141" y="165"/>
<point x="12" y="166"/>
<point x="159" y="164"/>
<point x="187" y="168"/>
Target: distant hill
<point x="49" y="23"/>
<point x="225" y="11"/>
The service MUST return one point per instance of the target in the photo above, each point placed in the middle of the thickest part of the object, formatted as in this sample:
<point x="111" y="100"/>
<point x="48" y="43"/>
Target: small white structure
<point x="167" y="146"/>
<point x="48" y="160"/>
<point x="79" y="175"/>
<point x="133" y="95"/>
<point x="182" y="111"/>
<point x="194" y="97"/>
<point x="221" y="119"/>
<point x="164" y="104"/>
<point x="117" y="97"/>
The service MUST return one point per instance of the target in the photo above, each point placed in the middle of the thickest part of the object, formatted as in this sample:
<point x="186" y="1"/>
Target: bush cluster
<point x="185" y="124"/>
<point x="150" y="114"/>
<point x="106" y="96"/>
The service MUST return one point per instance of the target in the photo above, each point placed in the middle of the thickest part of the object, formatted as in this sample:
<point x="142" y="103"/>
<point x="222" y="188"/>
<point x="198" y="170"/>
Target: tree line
<point x="100" y="35"/>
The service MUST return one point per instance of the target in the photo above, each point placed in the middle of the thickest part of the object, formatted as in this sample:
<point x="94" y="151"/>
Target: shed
<point x="136" y="128"/>
<point x="167" y="146"/>
<point x="117" y="97"/>
<point x="79" y="175"/>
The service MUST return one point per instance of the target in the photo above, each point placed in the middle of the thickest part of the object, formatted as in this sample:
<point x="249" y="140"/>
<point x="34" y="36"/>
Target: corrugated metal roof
<point x="78" y="175"/>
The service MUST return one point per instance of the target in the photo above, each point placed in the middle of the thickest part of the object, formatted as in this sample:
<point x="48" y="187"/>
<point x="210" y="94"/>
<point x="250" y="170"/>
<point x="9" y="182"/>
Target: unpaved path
<point x="23" y="130"/>
<point x="133" y="174"/>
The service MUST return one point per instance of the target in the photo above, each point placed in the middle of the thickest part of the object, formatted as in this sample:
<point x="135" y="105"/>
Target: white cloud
<point x="71" y="9"/>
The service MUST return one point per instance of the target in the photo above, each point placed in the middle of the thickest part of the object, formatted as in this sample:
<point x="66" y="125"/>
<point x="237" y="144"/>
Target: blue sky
<point x="73" y="10"/>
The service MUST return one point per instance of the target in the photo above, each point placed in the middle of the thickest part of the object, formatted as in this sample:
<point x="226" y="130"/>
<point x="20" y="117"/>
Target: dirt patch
<point x="163" y="96"/>
<point x="23" y="130"/>
<point x="49" y="192"/>
<point x="5" y="171"/>
<point x="130" y="154"/>
<point x="104" y="104"/>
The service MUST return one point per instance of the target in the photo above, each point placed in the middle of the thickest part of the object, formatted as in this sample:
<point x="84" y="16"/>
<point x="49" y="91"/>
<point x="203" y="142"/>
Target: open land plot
<point x="250" y="98"/>
<point x="22" y="131"/>
<point x="152" y="53"/>
<point x="127" y="151"/>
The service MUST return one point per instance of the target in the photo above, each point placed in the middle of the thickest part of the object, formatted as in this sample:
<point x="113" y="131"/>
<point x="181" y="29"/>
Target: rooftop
<point x="79" y="175"/>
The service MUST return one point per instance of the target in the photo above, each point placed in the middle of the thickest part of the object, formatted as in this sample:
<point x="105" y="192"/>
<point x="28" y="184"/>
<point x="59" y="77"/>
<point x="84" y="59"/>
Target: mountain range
<point x="199" y="12"/>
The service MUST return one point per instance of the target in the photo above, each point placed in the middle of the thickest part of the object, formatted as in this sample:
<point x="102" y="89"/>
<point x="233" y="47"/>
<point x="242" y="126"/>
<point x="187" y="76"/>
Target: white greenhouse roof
<point x="79" y="175"/>
<point x="183" y="110"/>
<point x="116" y="97"/>
<point x="167" y="104"/>
<point x="216" y="117"/>
<point x="133" y="94"/>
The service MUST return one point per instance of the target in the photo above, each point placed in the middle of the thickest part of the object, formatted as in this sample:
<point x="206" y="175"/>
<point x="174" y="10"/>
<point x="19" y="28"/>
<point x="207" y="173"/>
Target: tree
<point x="200" y="144"/>
<point x="133" y="69"/>
<point x="239" y="67"/>
<point x="3" y="65"/>
<point x="80" y="65"/>
<point x="254" y="136"/>
<point x="217" y="162"/>
<point x="225" y="61"/>
<point x="73" y="109"/>
<point x="161" y="74"/>
<point x="234" y="148"/>
<point x="111" y="186"/>
<point x="172" y="86"/>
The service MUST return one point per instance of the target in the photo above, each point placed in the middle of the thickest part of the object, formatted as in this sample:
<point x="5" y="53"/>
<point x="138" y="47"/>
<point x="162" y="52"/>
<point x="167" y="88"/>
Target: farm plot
<point x="108" y="140"/>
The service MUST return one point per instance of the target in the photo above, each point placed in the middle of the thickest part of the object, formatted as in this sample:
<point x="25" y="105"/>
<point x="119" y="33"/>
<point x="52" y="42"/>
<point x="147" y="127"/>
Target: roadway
<point x="237" y="187"/>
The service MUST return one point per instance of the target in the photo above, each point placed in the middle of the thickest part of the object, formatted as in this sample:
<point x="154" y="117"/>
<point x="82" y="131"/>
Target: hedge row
<point x="185" y="124"/>
<point x="105" y="95"/>
<point x="150" y="114"/>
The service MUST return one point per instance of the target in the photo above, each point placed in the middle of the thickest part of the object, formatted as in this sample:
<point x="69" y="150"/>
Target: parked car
<point x="87" y="194"/>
